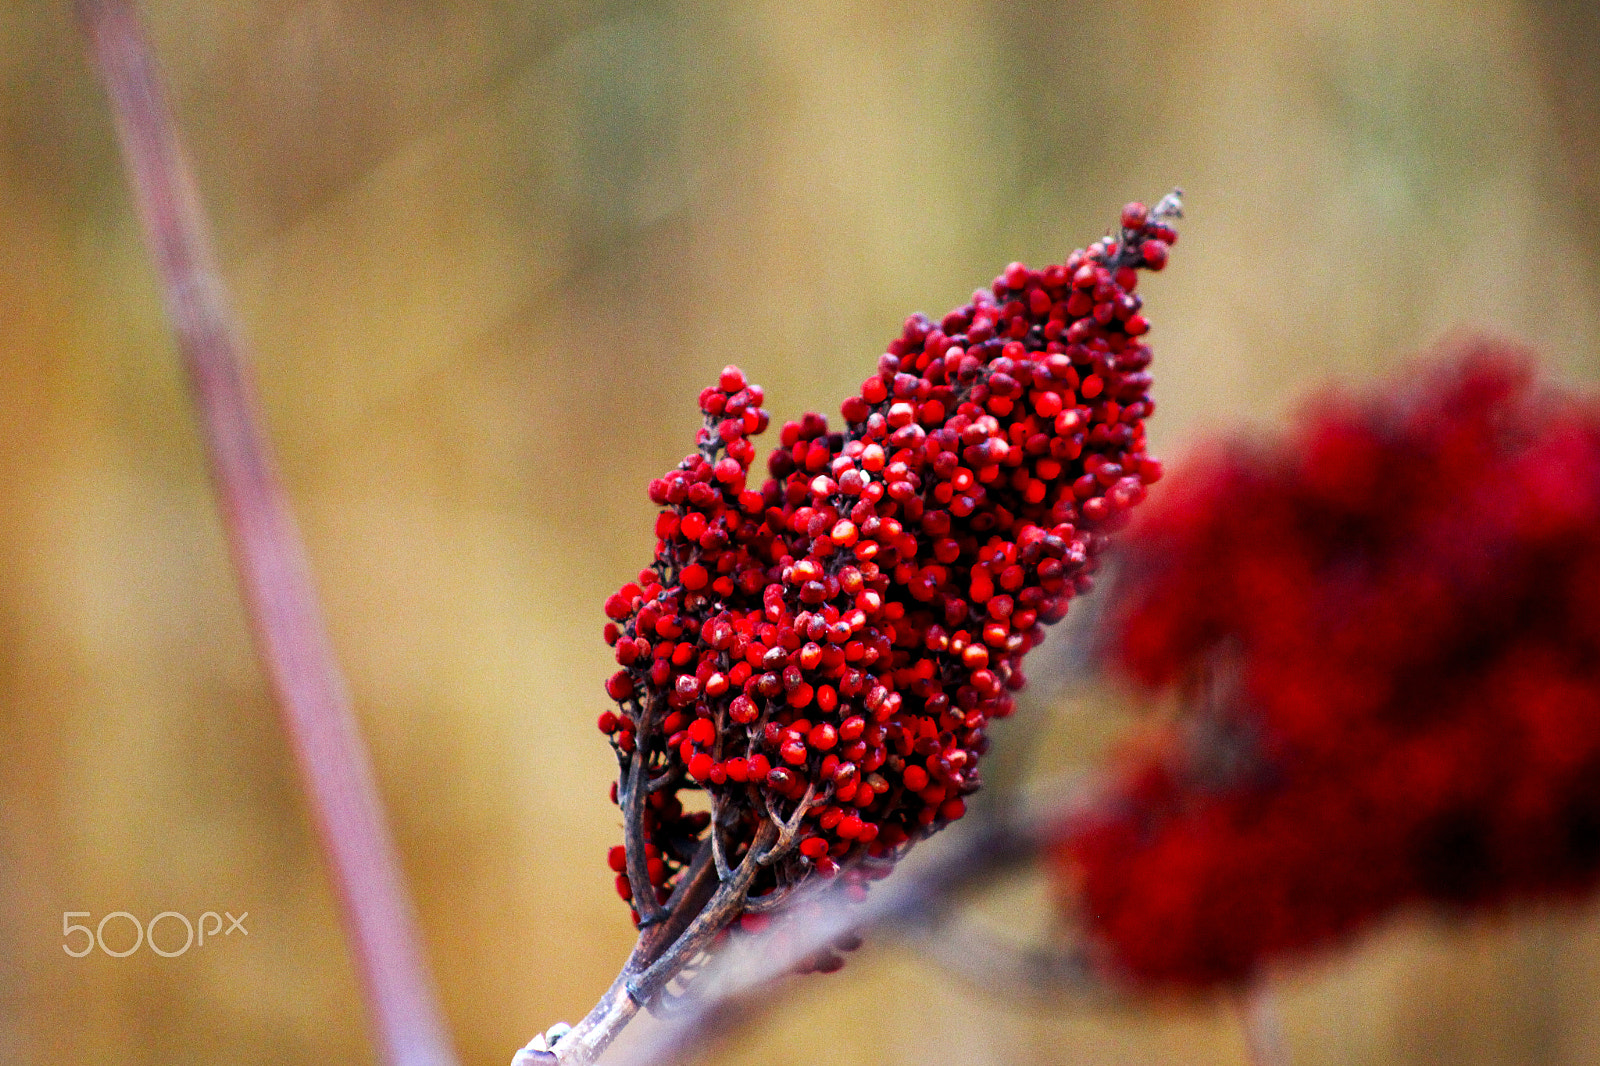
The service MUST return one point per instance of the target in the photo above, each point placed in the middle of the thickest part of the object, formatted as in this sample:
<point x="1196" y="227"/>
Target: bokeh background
<point x="487" y="253"/>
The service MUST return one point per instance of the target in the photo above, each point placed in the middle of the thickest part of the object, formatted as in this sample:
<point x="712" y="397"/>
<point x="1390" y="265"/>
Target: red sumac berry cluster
<point x="1401" y="606"/>
<point x="827" y="649"/>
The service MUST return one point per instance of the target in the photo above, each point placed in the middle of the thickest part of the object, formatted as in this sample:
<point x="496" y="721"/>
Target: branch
<point x="644" y="892"/>
<point x="722" y="909"/>
<point x="1265" y="1044"/>
<point x="996" y="967"/>
<point x="663" y="952"/>
<point x="283" y="615"/>
<point x="737" y="984"/>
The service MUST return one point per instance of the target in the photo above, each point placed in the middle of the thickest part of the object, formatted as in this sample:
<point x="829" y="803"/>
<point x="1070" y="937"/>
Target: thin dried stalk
<point x="1265" y="1043"/>
<point x="737" y="985"/>
<point x="662" y="953"/>
<point x="996" y="967"/>
<point x="285" y="621"/>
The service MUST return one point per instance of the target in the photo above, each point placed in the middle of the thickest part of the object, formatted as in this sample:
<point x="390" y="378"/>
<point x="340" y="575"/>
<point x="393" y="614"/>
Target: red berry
<point x="620" y="687"/>
<point x="700" y="766"/>
<point x="742" y="710"/>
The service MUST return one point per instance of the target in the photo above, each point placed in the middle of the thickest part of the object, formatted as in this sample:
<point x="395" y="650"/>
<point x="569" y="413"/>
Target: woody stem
<point x="633" y="799"/>
<point x="656" y="961"/>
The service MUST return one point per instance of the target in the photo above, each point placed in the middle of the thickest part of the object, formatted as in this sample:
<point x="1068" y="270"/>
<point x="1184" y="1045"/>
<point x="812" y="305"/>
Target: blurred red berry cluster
<point x="1388" y="631"/>
<point x="825" y="650"/>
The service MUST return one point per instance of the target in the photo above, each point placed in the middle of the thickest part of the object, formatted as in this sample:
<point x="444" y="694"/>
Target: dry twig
<point x="735" y="985"/>
<point x="1265" y="1043"/>
<point x="284" y="617"/>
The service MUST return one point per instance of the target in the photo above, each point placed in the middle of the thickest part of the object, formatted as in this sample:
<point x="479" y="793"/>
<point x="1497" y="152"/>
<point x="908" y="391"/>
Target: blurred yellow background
<point x="486" y="254"/>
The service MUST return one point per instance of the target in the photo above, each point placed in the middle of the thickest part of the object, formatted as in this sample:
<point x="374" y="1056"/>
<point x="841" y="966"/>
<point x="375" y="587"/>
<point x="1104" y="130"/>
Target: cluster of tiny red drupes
<point x="841" y="636"/>
<point x="1399" y="615"/>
